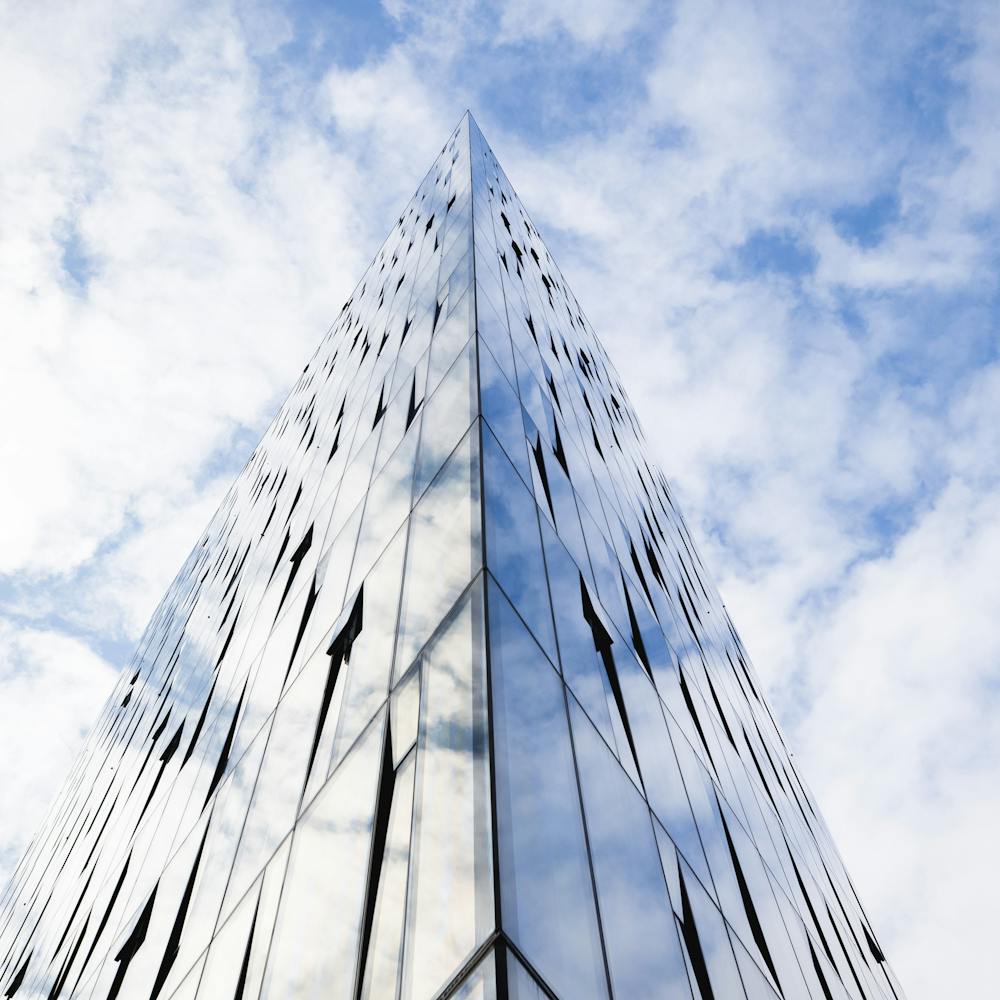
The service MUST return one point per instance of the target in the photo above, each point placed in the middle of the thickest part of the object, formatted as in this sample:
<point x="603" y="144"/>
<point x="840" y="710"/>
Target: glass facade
<point x="443" y="702"/>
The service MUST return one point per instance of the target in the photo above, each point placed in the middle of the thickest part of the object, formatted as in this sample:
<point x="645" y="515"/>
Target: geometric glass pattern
<point x="443" y="702"/>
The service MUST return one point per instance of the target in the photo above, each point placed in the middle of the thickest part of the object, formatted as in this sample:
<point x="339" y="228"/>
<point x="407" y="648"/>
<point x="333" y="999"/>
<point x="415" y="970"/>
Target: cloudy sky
<point x="781" y="218"/>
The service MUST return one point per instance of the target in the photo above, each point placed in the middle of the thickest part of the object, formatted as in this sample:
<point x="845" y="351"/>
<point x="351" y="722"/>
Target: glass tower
<point x="442" y="702"/>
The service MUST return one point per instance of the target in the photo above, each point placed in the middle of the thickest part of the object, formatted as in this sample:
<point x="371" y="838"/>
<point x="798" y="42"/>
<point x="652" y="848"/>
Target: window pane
<point x="315" y="941"/>
<point x="450" y="908"/>
<point x="368" y="661"/>
<point x="382" y="974"/>
<point x="547" y="902"/>
<point x="502" y="411"/>
<point x="386" y="508"/>
<point x="643" y="951"/>
<point x="403" y="713"/>
<point x="447" y="415"/>
<point x="444" y="550"/>
<point x="513" y="545"/>
<point x="279" y="784"/>
<point x="581" y="664"/>
<point x="705" y="938"/>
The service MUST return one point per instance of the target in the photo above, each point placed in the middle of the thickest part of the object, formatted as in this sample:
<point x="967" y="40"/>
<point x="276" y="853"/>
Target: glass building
<point x="443" y="702"/>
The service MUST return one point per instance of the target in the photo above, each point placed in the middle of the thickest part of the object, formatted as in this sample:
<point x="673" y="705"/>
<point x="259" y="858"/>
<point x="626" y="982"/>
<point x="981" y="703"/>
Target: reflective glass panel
<point x="450" y="908"/>
<point x="644" y="955"/>
<point x="444" y="550"/>
<point x="547" y="901"/>
<point x="316" y="937"/>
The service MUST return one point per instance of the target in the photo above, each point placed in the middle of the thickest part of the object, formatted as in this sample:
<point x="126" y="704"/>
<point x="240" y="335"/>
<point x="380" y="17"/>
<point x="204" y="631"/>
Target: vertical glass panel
<point x="232" y="943"/>
<point x="368" y="661"/>
<point x="581" y="664"/>
<point x="547" y="902"/>
<point x="451" y="907"/>
<point x="355" y="482"/>
<point x="332" y="574"/>
<point x="705" y="936"/>
<point x="661" y="776"/>
<point x="449" y="338"/>
<point x="228" y="815"/>
<point x="644" y="955"/>
<point x="154" y="920"/>
<point x="755" y="983"/>
<point x="502" y="412"/>
<point x="493" y="330"/>
<point x="567" y="518"/>
<point x="386" y="508"/>
<point x="403" y="714"/>
<point x="396" y="418"/>
<point x="447" y="415"/>
<point x="444" y="551"/>
<point x="382" y="972"/>
<point x="266" y="910"/>
<point x="279" y="784"/>
<point x="530" y="390"/>
<point x="676" y="810"/>
<point x="333" y="667"/>
<point x="513" y="545"/>
<point x="316" y="937"/>
<point x="607" y="573"/>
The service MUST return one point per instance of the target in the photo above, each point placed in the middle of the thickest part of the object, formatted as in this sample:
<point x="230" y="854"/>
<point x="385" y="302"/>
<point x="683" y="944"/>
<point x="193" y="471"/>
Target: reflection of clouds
<point x="642" y="949"/>
<point x="279" y="784"/>
<point x="386" y="507"/>
<point x="713" y="939"/>
<point x="451" y="900"/>
<point x="447" y="414"/>
<point x="581" y="666"/>
<point x="365" y="675"/>
<point x="313" y="952"/>
<point x="547" y="899"/>
<point x="226" y="823"/>
<point x="404" y="714"/>
<point x="514" y="547"/>
<point x="444" y="550"/>
<point x="382" y="972"/>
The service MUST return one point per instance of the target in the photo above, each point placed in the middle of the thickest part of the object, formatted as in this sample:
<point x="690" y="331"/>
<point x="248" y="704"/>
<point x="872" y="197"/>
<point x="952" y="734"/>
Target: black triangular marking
<point x="15" y="984"/>
<point x="380" y="830"/>
<point x="307" y="611"/>
<point x="174" y="941"/>
<point x="296" y="560"/>
<point x="536" y="450"/>
<point x="241" y="983"/>
<point x="339" y="652"/>
<point x="751" y="910"/>
<point x="603" y="643"/>
<point x="693" y="943"/>
<point x="220" y="767"/>
<point x="132" y="944"/>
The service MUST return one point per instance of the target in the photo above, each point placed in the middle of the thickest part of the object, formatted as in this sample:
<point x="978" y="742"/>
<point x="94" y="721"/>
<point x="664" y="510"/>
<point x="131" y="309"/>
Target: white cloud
<point x="593" y="22"/>
<point x="53" y="687"/>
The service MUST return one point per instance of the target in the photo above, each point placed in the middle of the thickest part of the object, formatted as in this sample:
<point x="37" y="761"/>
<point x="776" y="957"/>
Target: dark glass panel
<point x="644" y="955"/>
<point x="513" y="545"/>
<point x="547" y="903"/>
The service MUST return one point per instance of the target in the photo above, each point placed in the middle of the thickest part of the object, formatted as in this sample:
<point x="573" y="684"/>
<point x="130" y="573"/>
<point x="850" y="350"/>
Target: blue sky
<point x="781" y="219"/>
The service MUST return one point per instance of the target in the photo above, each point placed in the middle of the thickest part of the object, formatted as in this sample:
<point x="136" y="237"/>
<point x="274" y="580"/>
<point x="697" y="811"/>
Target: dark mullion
<point x="487" y="654"/>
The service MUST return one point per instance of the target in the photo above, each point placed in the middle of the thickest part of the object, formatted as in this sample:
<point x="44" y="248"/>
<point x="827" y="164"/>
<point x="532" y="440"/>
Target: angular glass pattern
<point x="443" y="702"/>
